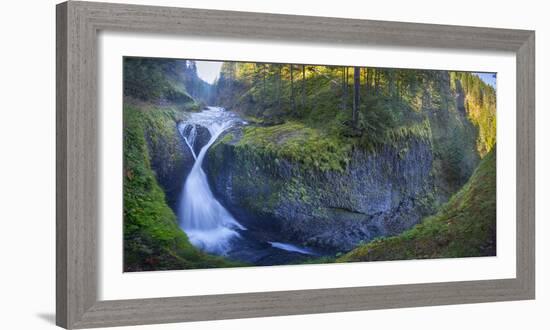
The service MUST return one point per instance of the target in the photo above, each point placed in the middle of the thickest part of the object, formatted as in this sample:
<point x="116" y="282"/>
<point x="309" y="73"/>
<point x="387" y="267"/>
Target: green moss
<point x="464" y="227"/>
<point x="415" y="130"/>
<point x="319" y="148"/>
<point x="152" y="237"/>
<point x="227" y="138"/>
<point x="298" y="143"/>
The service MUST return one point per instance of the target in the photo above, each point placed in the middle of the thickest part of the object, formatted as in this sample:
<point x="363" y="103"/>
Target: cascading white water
<point x="206" y="222"/>
<point x="189" y="136"/>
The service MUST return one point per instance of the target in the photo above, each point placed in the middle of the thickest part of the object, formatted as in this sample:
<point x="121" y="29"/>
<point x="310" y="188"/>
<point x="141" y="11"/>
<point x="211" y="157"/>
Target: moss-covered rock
<point x="169" y="157"/>
<point x="315" y="190"/>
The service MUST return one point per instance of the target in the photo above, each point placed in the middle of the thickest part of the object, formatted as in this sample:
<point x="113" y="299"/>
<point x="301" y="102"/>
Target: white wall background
<point x="27" y="163"/>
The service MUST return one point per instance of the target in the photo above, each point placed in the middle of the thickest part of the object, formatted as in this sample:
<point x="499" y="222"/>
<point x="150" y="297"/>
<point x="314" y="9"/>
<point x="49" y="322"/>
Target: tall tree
<point x="367" y="80"/>
<point x="264" y="92"/>
<point x="303" y="87"/>
<point x="292" y="101"/>
<point x="377" y="75"/>
<point x="391" y="85"/>
<point x="345" y="73"/>
<point x="356" y="90"/>
<point x="192" y="66"/>
<point x="279" y="82"/>
<point x="231" y="69"/>
<point x="343" y="89"/>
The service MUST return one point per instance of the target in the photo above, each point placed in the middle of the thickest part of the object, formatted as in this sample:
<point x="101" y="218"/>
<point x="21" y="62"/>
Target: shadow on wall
<point x="47" y="317"/>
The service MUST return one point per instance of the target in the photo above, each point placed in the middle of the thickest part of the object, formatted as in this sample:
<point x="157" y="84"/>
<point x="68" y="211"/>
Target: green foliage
<point x="314" y="109"/>
<point x="152" y="237"/>
<point x="464" y="227"/>
<point x="321" y="97"/>
<point x="480" y="103"/>
<point x="164" y="80"/>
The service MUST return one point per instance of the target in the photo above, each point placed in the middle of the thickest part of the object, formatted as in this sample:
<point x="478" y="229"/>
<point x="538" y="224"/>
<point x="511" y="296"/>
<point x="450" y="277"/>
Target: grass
<point x="464" y="227"/>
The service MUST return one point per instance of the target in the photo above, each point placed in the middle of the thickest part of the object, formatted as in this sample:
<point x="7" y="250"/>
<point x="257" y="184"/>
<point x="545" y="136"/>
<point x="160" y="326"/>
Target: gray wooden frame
<point x="77" y="150"/>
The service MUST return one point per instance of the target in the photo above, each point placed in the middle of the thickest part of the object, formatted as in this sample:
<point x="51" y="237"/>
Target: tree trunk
<point x="303" y="87"/>
<point x="279" y="81"/>
<point x="346" y="77"/>
<point x="343" y="89"/>
<point x="293" y="104"/>
<point x="356" y="90"/>
<point x="377" y="81"/>
<point x="264" y="92"/>
<point x="392" y="88"/>
<point x="367" y="80"/>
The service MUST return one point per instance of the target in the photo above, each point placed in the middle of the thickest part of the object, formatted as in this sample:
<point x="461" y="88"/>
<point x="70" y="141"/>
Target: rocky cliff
<point x="377" y="194"/>
<point x="465" y="226"/>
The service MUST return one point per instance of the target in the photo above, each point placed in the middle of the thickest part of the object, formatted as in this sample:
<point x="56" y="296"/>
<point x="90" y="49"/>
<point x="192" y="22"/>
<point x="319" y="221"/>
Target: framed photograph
<point x="217" y="165"/>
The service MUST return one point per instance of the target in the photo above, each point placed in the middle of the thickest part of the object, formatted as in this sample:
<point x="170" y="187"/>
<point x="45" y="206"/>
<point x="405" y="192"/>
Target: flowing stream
<point x="207" y="223"/>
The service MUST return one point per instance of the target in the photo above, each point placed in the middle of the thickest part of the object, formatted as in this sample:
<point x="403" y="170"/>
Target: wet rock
<point x="197" y="134"/>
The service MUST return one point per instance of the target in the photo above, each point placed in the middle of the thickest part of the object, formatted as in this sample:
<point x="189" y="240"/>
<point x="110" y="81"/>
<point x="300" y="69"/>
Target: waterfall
<point x="206" y="222"/>
<point x="189" y="134"/>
